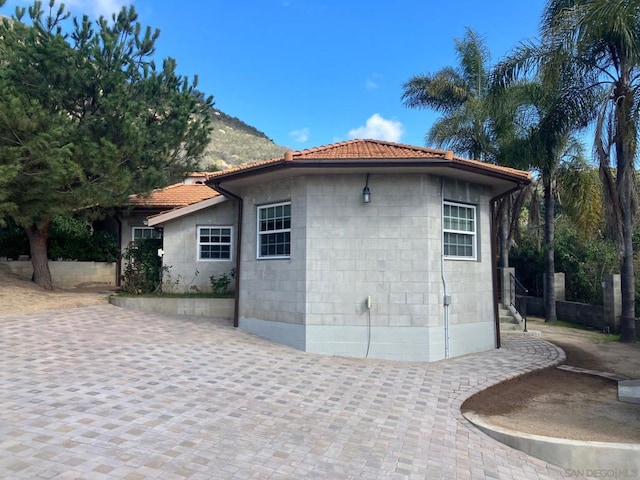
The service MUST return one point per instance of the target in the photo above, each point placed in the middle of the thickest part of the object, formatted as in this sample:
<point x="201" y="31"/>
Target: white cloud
<point x="379" y="128"/>
<point x="301" y="135"/>
<point x="98" y="7"/>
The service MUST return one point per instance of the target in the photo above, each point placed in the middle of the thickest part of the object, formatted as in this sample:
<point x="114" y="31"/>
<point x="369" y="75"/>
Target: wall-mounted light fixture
<point x="366" y="193"/>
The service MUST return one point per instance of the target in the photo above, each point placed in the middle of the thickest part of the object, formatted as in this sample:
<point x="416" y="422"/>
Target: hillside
<point x="233" y="142"/>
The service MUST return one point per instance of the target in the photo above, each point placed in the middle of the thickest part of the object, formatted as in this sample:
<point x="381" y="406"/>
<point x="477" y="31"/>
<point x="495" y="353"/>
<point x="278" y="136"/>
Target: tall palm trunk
<point x="38" y="235"/>
<point x="625" y="153"/>
<point x="549" y="249"/>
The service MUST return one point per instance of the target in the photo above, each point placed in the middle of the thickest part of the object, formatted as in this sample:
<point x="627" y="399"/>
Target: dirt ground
<point x="558" y="403"/>
<point x="22" y="296"/>
<point x="551" y="402"/>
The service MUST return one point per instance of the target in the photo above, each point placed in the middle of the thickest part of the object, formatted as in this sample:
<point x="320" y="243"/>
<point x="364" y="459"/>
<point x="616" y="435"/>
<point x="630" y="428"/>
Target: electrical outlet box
<point x="447" y="300"/>
<point x="369" y="302"/>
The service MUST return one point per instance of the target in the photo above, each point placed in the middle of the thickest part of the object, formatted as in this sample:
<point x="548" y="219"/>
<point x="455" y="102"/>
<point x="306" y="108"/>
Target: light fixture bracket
<point x="366" y="193"/>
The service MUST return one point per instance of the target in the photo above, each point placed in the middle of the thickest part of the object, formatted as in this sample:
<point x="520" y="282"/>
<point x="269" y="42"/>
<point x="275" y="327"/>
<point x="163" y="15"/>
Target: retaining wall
<point x="205" y="307"/>
<point x="70" y="274"/>
<point x="573" y="312"/>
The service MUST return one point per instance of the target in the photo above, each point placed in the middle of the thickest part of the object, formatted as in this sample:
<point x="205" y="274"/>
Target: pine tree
<point x="86" y="118"/>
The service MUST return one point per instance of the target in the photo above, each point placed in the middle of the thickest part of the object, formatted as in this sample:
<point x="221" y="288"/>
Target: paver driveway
<point x="108" y="393"/>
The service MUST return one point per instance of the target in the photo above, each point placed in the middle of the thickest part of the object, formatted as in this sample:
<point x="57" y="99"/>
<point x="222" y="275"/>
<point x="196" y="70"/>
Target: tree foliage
<point x="461" y="95"/>
<point x="69" y="239"/>
<point x="87" y="118"/>
<point x="599" y="39"/>
<point x="583" y="260"/>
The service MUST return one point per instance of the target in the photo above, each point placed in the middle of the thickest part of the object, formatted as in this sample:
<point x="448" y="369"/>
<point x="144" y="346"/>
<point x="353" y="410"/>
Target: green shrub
<point x="583" y="261"/>
<point x="69" y="239"/>
<point x="143" y="269"/>
<point x="220" y="284"/>
<point x="13" y="241"/>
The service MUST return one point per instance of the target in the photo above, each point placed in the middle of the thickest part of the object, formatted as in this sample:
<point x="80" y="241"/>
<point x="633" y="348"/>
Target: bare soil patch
<point x="563" y="404"/>
<point x="18" y="295"/>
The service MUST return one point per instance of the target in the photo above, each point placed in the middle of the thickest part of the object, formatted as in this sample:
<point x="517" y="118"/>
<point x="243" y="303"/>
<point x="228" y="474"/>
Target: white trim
<point x="161" y="218"/>
<point x="198" y="244"/>
<point x="258" y="233"/>
<point x="473" y="235"/>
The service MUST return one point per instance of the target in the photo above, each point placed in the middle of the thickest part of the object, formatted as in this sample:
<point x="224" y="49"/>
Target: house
<point x="359" y="248"/>
<point x="198" y="242"/>
<point x="130" y="223"/>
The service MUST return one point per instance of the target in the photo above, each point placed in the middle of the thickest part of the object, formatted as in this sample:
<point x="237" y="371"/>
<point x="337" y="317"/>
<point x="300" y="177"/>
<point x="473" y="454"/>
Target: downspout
<point x="119" y="260"/>
<point x="446" y="299"/>
<point x="494" y="257"/>
<point x="236" y="299"/>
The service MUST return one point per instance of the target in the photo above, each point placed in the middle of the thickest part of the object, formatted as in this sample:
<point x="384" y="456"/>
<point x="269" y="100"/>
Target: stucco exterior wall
<point x="344" y="251"/>
<point x="180" y="244"/>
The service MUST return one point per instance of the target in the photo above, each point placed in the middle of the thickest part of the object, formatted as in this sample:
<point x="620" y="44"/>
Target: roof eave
<point x="366" y="164"/>
<point x="163" y="217"/>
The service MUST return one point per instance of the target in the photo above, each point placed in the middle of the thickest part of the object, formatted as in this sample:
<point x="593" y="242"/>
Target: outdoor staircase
<point x="510" y="319"/>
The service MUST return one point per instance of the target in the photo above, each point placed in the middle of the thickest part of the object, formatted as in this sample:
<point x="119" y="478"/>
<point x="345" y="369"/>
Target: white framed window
<point x="274" y="230"/>
<point x="214" y="243"/>
<point x="459" y="224"/>
<point x="145" y="232"/>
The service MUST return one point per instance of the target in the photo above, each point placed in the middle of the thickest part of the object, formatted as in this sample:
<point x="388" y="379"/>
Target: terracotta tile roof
<point x="373" y="150"/>
<point x="369" y="149"/>
<point x="176" y="195"/>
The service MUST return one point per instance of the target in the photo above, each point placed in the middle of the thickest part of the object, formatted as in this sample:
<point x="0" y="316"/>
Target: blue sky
<point x="312" y="72"/>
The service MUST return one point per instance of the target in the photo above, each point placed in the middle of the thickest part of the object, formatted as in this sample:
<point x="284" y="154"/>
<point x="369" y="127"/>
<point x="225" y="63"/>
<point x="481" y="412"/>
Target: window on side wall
<point x="459" y="223"/>
<point x="274" y="231"/>
<point x="145" y="232"/>
<point x="214" y="243"/>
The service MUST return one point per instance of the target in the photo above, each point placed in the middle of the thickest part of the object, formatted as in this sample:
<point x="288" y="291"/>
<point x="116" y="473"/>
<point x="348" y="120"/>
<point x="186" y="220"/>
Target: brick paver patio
<point x="107" y="393"/>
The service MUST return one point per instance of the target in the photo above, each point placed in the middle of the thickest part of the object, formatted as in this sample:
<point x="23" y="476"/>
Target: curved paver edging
<point x="575" y="455"/>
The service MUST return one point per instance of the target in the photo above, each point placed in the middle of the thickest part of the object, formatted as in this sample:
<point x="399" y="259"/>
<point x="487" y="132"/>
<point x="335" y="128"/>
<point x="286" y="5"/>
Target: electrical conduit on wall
<point x="446" y="300"/>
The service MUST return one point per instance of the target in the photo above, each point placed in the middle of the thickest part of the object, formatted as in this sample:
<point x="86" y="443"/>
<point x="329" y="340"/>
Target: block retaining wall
<point x="68" y="274"/>
<point x="221" y="308"/>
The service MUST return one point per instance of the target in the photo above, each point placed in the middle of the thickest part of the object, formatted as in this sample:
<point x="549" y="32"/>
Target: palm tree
<point x="600" y="38"/>
<point x="549" y="116"/>
<point x="580" y="197"/>
<point x="460" y="94"/>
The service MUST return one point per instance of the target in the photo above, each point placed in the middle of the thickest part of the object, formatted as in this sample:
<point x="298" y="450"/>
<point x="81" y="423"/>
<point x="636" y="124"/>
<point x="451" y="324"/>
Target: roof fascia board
<point x="188" y="210"/>
<point x="369" y="163"/>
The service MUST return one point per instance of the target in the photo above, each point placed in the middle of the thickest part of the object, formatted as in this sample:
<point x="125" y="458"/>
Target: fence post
<point x="612" y="301"/>
<point x="559" y="286"/>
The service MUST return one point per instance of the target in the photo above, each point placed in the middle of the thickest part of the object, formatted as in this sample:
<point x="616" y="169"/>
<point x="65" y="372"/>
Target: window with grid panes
<point x="274" y="231"/>
<point x="459" y="230"/>
<point x="145" y="232"/>
<point x="214" y="243"/>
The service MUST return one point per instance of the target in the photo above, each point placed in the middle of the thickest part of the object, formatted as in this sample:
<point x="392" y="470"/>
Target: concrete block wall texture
<point x="274" y="289"/>
<point x="344" y="251"/>
<point x="180" y="246"/>
<point x="69" y="274"/>
<point x="221" y="308"/>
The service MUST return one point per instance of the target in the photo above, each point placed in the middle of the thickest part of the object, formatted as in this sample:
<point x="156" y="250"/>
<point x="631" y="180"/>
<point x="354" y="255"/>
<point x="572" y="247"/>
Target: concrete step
<point x="510" y="327"/>
<point x="506" y="316"/>
<point x="629" y="391"/>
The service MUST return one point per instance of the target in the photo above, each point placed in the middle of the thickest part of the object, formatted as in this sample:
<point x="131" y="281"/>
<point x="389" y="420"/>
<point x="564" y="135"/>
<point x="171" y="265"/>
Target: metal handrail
<point x="517" y="297"/>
